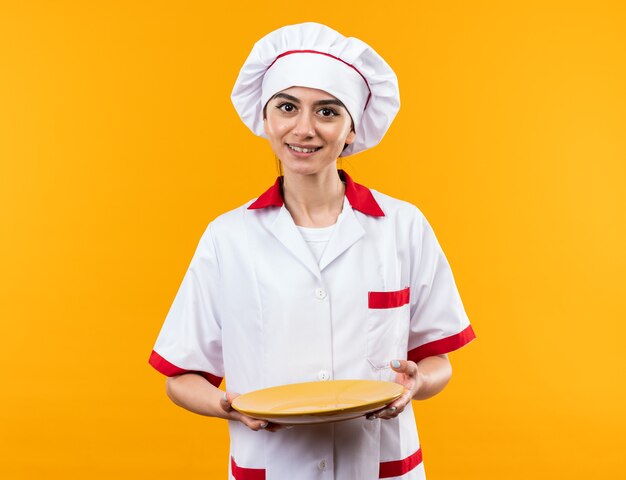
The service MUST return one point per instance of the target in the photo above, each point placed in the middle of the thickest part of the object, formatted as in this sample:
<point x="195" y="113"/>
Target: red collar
<point x="359" y="197"/>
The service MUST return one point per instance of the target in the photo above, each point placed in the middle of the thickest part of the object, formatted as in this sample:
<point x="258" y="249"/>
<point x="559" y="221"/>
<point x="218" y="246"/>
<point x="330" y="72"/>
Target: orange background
<point x="118" y="144"/>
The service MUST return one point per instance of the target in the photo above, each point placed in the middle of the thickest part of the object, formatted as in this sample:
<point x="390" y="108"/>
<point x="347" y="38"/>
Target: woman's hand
<point x="420" y="381"/>
<point x="250" y="422"/>
<point x="407" y="376"/>
<point x="194" y="393"/>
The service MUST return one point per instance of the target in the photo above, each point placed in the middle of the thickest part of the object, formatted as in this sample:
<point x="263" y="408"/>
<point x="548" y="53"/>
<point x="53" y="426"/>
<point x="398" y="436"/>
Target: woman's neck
<point x="314" y="200"/>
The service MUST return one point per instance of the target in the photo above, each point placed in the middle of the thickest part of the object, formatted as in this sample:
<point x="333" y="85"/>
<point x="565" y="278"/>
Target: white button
<point x="322" y="465"/>
<point x="323" y="375"/>
<point x="320" y="293"/>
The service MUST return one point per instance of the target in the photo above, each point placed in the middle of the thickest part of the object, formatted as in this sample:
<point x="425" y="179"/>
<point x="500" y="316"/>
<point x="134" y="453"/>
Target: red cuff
<point x="397" y="468"/>
<point x="241" y="473"/>
<point x="169" y="369"/>
<point x="443" y="345"/>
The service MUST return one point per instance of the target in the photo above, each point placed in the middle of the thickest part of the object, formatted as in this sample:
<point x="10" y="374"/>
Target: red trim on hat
<point x="169" y="369"/>
<point x="290" y="52"/>
<point x="443" y="345"/>
<point x="397" y="468"/>
<point x="360" y="197"/>
<point x="388" y="299"/>
<point x="241" y="473"/>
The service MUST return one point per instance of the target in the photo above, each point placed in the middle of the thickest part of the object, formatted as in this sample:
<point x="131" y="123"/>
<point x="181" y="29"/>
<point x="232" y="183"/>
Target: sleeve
<point x="438" y="323"/>
<point x="190" y="340"/>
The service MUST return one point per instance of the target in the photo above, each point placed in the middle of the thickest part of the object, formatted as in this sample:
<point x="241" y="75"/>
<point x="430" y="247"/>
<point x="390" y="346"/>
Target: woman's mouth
<point x="299" y="149"/>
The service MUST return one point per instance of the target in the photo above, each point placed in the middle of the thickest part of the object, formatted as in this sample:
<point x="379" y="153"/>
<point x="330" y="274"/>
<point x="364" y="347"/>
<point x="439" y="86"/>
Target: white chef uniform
<point x="256" y="307"/>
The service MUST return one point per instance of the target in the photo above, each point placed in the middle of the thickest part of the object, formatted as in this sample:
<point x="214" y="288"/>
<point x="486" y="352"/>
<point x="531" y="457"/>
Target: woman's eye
<point x="328" y="112"/>
<point x="286" y="107"/>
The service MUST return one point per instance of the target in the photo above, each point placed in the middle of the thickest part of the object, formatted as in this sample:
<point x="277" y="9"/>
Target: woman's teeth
<point x="303" y="150"/>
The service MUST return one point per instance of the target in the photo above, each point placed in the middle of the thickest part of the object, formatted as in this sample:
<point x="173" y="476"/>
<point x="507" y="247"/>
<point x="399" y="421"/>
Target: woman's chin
<point x="309" y="166"/>
<point x="305" y="170"/>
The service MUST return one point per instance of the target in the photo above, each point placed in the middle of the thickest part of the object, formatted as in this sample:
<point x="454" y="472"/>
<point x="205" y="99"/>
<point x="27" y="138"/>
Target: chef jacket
<point x="256" y="307"/>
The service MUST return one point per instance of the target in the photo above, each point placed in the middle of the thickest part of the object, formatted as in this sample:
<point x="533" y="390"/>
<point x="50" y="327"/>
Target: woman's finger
<point x="396" y="407"/>
<point x="252" y="423"/>
<point x="404" y="366"/>
<point x="387" y="413"/>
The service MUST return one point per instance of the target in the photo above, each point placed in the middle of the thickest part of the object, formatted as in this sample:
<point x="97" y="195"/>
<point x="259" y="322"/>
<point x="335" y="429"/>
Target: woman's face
<point x="307" y="129"/>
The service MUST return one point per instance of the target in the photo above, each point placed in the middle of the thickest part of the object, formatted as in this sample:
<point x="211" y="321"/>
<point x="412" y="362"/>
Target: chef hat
<point x="316" y="56"/>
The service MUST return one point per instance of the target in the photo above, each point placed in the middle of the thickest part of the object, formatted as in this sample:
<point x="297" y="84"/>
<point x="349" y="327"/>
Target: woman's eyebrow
<point x="287" y="97"/>
<point x="330" y="101"/>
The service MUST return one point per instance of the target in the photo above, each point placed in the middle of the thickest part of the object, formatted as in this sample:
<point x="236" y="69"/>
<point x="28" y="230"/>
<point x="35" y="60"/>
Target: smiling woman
<point x="317" y="279"/>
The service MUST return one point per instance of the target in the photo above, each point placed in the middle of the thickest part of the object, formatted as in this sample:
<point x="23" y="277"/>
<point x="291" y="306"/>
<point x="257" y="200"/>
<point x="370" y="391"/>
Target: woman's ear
<point x="350" y="138"/>
<point x="265" y="118"/>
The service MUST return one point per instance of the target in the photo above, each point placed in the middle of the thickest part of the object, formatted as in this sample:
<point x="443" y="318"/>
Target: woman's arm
<point x="421" y="380"/>
<point x="194" y="393"/>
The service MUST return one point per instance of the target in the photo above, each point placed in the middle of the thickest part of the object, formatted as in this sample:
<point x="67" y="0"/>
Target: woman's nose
<point x="304" y="126"/>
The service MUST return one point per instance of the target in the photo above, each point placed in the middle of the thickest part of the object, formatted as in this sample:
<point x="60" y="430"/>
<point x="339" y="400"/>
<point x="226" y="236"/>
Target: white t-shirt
<point x="317" y="239"/>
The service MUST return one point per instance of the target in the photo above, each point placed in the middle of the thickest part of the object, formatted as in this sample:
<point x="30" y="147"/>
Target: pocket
<point x="387" y="328"/>
<point x="380" y="300"/>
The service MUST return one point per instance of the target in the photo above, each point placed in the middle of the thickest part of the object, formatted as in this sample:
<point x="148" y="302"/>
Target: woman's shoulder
<point x="231" y="219"/>
<point x="396" y="208"/>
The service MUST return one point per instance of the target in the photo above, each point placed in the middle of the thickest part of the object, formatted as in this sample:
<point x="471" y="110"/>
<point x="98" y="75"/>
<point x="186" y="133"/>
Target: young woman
<point x="319" y="278"/>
